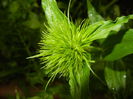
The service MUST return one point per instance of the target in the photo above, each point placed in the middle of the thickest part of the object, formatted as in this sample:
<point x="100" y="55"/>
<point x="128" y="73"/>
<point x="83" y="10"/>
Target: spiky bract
<point x="64" y="46"/>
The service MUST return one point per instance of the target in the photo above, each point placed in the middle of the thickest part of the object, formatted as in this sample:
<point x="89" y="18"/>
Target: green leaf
<point x="124" y="48"/>
<point x="115" y="76"/>
<point x="52" y="12"/>
<point x="79" y="83"/>
<point x="93" y="15"/>
<point x="17" y="94"/>
<point x="108" y="26"/>
<point x="84" y="81"/>
<point x="73" y="85"/>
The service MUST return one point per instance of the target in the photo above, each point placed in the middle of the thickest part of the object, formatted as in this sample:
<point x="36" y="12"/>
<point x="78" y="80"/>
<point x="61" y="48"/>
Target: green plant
<point x="67" y="50"/>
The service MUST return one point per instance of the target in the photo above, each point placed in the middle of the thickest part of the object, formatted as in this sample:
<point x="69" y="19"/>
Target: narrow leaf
<point x="79" y="83"/>
<point x="73" y="85"/>
<point x="108" y="26"/>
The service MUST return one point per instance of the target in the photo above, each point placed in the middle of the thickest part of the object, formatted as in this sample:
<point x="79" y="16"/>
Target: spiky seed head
<point x="63" y="46"/>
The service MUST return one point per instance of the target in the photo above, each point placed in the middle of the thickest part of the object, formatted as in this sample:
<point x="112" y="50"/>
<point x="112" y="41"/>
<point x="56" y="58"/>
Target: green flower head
<point x="64" y="46"/>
